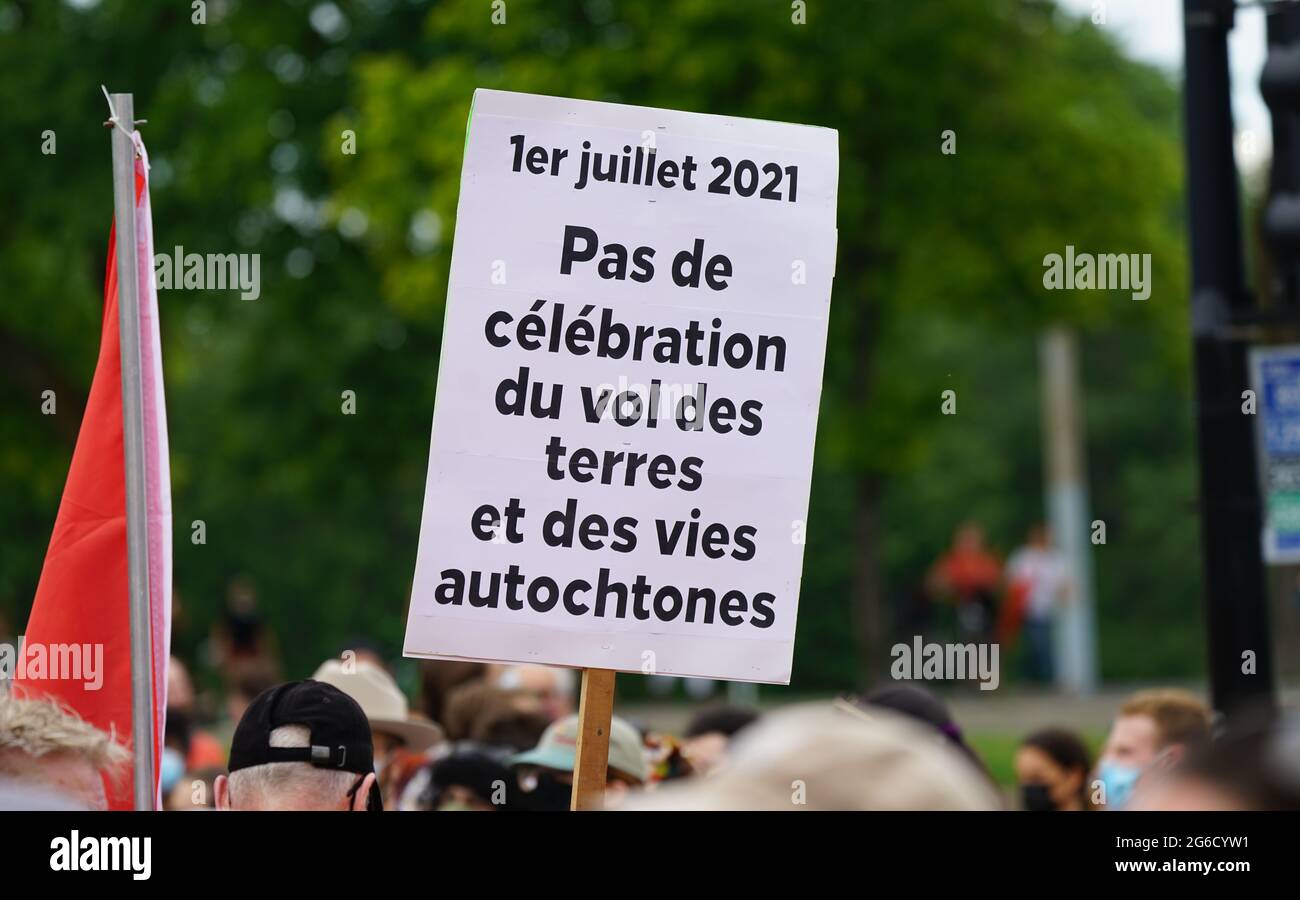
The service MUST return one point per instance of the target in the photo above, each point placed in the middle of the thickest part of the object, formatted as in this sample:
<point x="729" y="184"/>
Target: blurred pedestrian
<point x="201" y="748"/>
<point x="667" y="757"/>
<point x="1152" y="732"/>
<point x="969" y="576"/>
<point x="358" y="649"/>
<point x="439" y="677"/>
<point x="546" y="771"/>
<point x="924" y="706"/>
<point x="195" y="791"/>
<point x="177" y="745"/>
<point x="1038" y="585"/>
<point x="1254" y="766"/>
<point x="247" y="680"/>
<point x="482" y="714"/>
<point x="1052" y="769"/>
<point x="241" y="636"/>
<point x="553" y="686"/>
<point x="468" y="780"/>
<point x="710" y="733"/>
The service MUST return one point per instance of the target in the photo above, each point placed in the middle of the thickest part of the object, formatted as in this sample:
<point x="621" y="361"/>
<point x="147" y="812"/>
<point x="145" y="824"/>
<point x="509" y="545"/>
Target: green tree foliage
<point x="939" y="283"/>
<point x="1059" y="141"/>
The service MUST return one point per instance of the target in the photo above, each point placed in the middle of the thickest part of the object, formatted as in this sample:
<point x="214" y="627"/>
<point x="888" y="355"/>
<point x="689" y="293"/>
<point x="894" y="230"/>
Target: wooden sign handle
<point x="595" y="710"/>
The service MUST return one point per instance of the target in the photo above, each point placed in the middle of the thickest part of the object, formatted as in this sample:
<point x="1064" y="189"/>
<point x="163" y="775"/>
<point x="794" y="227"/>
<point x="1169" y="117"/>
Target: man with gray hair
<point x="304" y="745"/>
<point x="52" y="759"/>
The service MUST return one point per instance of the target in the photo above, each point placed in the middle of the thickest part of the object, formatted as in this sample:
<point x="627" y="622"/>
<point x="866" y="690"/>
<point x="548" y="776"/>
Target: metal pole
<point x="1283" y="25"/>
<point x="1075" y="637"/>
<point x="137" y="528"/>
<point x="1231" y="519"/>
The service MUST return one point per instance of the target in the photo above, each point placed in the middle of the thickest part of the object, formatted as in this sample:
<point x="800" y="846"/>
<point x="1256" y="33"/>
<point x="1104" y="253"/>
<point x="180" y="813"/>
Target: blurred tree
<point x="1059" y="141"/>
<point x="313" y="506"/>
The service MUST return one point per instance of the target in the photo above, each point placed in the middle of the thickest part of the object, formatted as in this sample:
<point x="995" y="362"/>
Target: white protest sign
<point x="628" y="390"/>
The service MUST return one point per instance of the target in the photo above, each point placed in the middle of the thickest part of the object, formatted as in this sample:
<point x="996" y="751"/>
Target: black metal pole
<point x="1282" y="216"/>
<point x="1236" y="607"/>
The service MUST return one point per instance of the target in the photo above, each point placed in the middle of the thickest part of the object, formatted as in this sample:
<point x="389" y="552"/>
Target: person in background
<point x="968" y="575"/>
<point x="924" y="706"/>
<point x="467" y="780"/>
<point x="197" y="791"/>
<point x="1152" y="732"/>
<point x="511" y="722"/>
<point x="401" y="740"/>
<point x="546" y="772"/>
<point x="52" y="751"/>
<point x="240" y="636"/>
<point x="177" y="743"/>
<point x="709" y="736"/>
<point x="496" y="720"/>
<point x="303" y="745"/>
<point x="1038" y="584"/>
<point x="362" y="649"/>
<point x="248" y="679"/>
<point x="202" y="749"/>
<point x="1254" y="766"/>
<point x="552" y="686"/>
<point x="1052" y="769"/>
<point x="833" y="757"/>
<point x="667" y="757"/>
<point x="439" y="677"/>
<point x="480" y="720"/>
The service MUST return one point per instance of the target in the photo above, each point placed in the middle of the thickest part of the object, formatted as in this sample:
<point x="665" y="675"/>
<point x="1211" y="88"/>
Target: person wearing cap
<point x="304" y="745"/>
<point x="546" y="771"/>
<point x="400" y="739"/>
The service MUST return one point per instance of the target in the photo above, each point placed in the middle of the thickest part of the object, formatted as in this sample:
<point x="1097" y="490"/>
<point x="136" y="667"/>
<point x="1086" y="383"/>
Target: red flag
<point x="82" y="600"/>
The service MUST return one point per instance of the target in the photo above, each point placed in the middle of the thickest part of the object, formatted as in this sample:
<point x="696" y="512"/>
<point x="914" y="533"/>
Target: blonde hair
<point x="1180" y="717"/>
<point x="42" y="727"/>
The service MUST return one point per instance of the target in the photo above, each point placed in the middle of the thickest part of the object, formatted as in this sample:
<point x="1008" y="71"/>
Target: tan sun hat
<point x="381" y="699"/>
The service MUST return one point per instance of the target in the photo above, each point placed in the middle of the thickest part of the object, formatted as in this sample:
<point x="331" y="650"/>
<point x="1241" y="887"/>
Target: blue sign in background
<point x="1278" y="388"/>
<point x="1280" y="405"/>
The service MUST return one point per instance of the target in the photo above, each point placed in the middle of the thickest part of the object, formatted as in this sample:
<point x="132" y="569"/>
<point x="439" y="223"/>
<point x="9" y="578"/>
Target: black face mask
<point x="549" y="795"/>
<point x="1036" y="798"/>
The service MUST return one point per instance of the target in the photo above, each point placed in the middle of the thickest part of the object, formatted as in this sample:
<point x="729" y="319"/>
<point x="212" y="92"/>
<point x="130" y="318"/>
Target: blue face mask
<point x="171" y="769"/>
<point x="1118" y="781"/>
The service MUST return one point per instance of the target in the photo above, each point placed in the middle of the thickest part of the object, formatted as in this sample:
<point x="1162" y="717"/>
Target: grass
<point x="998" y="750"/>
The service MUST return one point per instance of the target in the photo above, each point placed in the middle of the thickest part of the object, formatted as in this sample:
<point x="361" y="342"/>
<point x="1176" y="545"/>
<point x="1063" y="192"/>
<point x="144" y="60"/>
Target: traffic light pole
<point x="1236" y="605"/>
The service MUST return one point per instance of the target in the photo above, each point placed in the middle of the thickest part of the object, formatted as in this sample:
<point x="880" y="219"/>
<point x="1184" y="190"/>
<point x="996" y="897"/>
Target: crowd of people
<point x="503" y="738"/>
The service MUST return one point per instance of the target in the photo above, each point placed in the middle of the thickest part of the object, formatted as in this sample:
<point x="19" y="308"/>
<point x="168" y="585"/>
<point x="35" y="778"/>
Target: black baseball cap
<point x="340" y="732"/>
